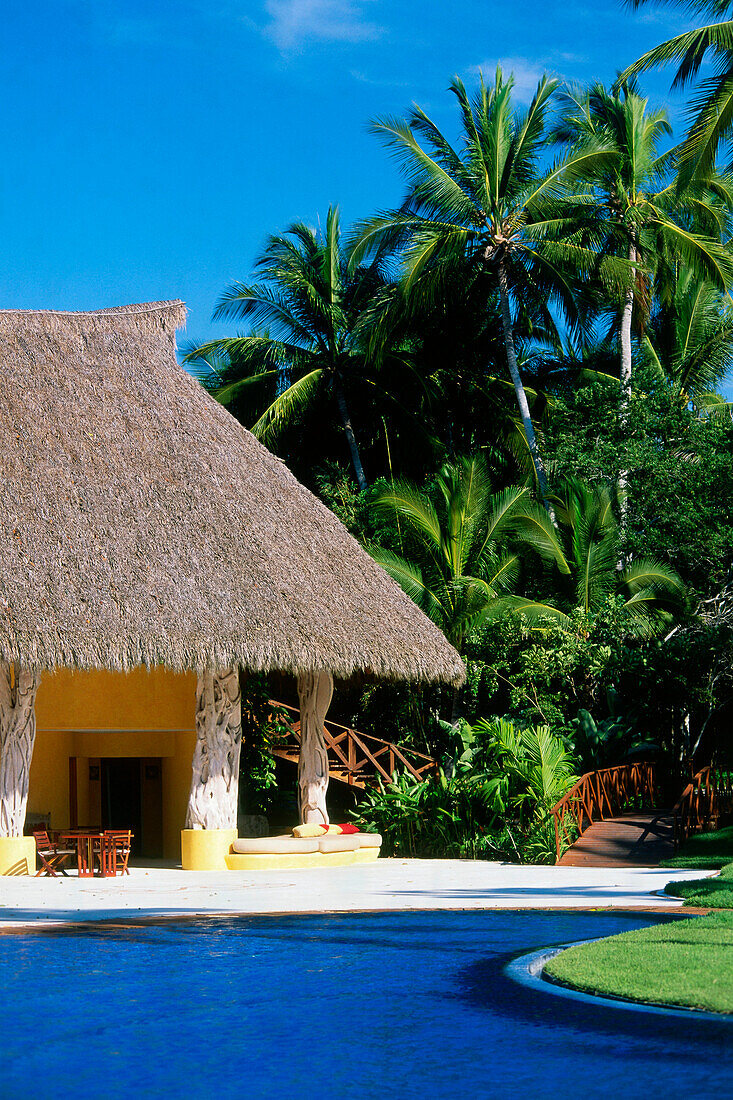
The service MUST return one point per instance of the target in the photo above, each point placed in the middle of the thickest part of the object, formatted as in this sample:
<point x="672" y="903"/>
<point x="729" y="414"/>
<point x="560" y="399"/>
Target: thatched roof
<point x="141" y="524"/>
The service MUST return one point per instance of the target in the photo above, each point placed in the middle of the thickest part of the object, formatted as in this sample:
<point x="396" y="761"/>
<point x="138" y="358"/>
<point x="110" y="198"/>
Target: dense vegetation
<point x="511" y="390"/>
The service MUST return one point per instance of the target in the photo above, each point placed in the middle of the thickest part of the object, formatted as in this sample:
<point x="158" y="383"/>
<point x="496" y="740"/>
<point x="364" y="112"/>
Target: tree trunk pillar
<point x="212" y="803"/>
<point x="18" y="687"/>
<point x="315" y="690"/>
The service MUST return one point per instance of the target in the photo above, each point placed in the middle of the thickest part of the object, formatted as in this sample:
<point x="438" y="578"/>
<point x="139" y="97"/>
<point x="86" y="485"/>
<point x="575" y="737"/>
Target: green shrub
<point x="262" y="724"/>
<point x="491" y="799"/>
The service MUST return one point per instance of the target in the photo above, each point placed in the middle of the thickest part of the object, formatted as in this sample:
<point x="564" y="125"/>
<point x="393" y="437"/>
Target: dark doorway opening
<point x="132" y="798"/>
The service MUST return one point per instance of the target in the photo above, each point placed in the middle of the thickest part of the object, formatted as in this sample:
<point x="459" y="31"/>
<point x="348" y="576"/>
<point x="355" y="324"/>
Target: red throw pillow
<point x="349" y="828"/>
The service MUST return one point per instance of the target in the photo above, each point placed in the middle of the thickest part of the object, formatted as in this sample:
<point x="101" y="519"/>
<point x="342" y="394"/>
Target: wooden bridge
<point x="354" y="758"/>
<point x="610" y="818"/>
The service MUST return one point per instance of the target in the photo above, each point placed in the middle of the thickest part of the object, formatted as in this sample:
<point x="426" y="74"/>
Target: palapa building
<point x="152" y="548"/>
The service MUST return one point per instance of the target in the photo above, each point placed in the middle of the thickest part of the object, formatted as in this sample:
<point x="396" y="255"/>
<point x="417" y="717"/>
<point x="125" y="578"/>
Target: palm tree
<point x="712" y="111"/>
<point x="490" y="209"/>
<point x="632" y="207"/>
<point x="650" y="589"/>
<point x="317" y="345"/>
<point x="457" y="561"/>
<point x="689" y="341"/>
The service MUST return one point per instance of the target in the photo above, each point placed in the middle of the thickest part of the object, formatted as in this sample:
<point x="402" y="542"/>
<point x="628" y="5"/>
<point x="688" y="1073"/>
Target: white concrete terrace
<point x="151" y="892"/>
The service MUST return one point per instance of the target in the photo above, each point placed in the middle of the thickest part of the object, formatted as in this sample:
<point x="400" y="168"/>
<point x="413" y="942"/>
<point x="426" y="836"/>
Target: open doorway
<point x="132" y="798"/>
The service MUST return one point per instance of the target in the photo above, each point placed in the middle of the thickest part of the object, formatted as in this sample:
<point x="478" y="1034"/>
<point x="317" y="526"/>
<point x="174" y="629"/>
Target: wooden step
<point x="340" y="775"/>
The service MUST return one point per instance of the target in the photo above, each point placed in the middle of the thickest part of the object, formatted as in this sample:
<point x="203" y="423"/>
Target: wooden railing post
<point x="702" y="801"/>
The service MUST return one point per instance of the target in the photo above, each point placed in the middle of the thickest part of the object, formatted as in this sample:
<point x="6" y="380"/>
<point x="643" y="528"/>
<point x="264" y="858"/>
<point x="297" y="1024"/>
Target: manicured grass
<point x="708" y="893"/>
<point x="709" y="851"/>
<point x="687" y="963"/>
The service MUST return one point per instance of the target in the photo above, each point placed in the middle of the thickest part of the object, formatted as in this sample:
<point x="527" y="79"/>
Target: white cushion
<point x="273" y="845"/>
<point x="338" y="843"/>
<point x="368" y="840"/>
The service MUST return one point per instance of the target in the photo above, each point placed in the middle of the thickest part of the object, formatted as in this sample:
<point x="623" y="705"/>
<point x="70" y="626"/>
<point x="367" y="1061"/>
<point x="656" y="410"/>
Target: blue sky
<point x="148" y="148"/>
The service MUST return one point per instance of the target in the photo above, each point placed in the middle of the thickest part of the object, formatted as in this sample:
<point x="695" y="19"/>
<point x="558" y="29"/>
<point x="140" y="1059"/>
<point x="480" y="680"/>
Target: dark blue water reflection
<point x="382" y="1005"/>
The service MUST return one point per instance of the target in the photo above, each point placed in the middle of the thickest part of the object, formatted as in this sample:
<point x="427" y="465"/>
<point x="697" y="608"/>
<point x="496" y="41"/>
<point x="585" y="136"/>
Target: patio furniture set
<point x="105" y="852"/>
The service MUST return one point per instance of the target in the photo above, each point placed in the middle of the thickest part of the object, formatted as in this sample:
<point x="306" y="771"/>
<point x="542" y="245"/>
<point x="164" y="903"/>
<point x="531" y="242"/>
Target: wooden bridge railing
<point x="708" y="795"/>
<point x="356" y="758"/>
<point x="600" y="795"/>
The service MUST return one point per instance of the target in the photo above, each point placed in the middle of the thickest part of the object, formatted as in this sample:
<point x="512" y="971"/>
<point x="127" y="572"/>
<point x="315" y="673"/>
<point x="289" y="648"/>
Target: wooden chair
<point x="116" y="845"/>
<point x="52" y="858"/>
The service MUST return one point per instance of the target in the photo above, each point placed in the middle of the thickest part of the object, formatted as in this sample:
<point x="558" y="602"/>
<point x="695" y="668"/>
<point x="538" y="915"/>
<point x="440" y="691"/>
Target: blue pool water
<point x="348" y="1007"/>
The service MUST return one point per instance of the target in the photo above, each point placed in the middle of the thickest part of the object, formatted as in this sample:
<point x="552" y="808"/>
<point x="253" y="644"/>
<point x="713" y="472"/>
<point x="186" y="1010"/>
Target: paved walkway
<point x="635" y="840"/>
<point x="387" y="884"/>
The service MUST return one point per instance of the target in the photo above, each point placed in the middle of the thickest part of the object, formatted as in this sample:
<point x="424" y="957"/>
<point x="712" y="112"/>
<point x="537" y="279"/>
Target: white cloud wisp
<point x="295" y="23"/>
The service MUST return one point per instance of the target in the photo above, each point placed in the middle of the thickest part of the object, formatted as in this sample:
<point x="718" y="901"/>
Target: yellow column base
<point x="206" y="849"/>
<point x="17" y="855"/>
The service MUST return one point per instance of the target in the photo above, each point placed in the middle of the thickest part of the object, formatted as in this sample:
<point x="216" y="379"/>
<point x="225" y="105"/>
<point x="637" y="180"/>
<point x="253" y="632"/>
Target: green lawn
<point x="709" y="851"/>
<point x="686" y="963"/>
<point x="712" y="893"/>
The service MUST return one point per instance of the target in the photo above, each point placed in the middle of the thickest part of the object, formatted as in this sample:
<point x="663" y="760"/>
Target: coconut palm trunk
<point x="625" y="338"/>
<point x="350" y="437"/>
<point x="18" y="687"/>
<point x="625" y="369"/>
<point x="315" y="690"/>
<point x="511" y="357"/>
<point x="212" y="803"/>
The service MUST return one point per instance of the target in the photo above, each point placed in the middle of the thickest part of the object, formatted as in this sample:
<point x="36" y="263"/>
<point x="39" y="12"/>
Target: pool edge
<point x="528" y="970"/>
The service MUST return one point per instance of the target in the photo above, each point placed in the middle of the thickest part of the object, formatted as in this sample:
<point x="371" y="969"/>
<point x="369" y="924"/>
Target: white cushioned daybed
<point x="327" y="850"/>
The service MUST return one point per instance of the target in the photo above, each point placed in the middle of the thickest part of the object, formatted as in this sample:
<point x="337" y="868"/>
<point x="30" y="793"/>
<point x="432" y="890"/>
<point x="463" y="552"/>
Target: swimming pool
<point x="346" y="1006"/>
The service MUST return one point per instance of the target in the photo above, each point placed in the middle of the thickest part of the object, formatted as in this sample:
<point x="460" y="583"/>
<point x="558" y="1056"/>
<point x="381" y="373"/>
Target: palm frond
<point x="413" y="507"/>
<point x="409" y="577"/>
<point x="287" y="407"/>
<point x="537" y="530"/>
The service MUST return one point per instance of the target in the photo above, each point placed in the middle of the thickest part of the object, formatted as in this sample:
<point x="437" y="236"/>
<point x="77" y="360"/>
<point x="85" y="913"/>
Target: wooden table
<point x="84" y="842"/>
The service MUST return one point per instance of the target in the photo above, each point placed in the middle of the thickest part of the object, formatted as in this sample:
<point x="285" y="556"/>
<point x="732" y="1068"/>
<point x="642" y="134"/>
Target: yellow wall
<point x="90" y="715"/>
<point x="137" y="700"/>
<point x="176" y="786"/>
<point x="49" y="779"/>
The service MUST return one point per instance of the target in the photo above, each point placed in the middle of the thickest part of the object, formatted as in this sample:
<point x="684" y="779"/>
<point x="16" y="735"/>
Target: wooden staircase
<point x="354" y="758"/>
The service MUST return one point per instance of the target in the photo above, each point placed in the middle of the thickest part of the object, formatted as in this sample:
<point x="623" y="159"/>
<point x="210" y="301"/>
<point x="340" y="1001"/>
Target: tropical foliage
<point x="514" y="390"/>
<point x="711" y="111"/>
<point x="312" y="344"/>
<point x="493" y="799"/>
<point x="465" y="542"/>
<point x="631" y="209"/>
<point x="493" y="210"/>
<point x="650" y="591"/>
